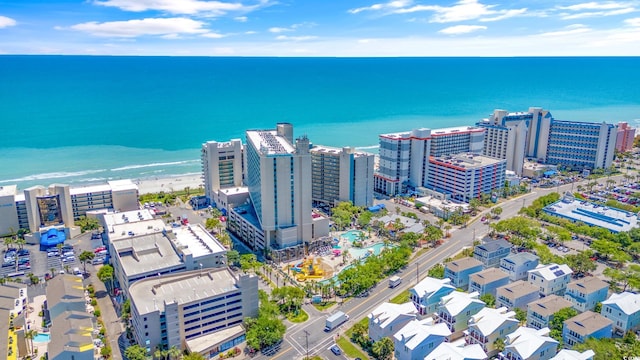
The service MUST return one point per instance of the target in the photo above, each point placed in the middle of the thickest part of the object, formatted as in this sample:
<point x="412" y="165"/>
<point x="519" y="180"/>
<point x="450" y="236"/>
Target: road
<point x="295" y="340"/>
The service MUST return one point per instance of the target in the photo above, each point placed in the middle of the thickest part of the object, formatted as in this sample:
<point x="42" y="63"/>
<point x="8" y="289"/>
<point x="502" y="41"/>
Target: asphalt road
<point x="295" y="340"/>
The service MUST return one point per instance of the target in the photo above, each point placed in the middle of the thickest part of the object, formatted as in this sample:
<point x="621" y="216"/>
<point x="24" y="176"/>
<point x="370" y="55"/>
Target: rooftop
<point x="386" y="313"/>
<point x="448" y="351"/>
<point x="202" y="343"/>
<point x="138" y="228"/>
<point x="628" y="302"/>
<point x="337" y="151"/>
<point x="488" y="320"/>
<point x="588" y="284"/>
<point x="248" y="213"/>
<point x="463" y="264"/>
<point x="71" y="332"/>
<point x="488" y="276"/>
<point x="150" y="295"/>
<point x="8" y="190"/>
<point x="566" y="354"/>
<point x="520" y="258"/>
<point x="612" y="219"/>
<point x="428" y="286"/>
<point x="64" y="287"/>
<point x="146" y="254"/>
<point x="457" y="301"/>
<point x="548" y="305"/>
<point x="456" y="130"/>
<point x="526" y="341"/>
<point x="493" y="245"/>
<point x="587" y="323"/>
<point x="465" y="161"/>
<point x="552" y="271"/>
<point x="11" y="290"/>
<point x="516" y="289"/>
<point x="416" y="331"/>
<point x="197" y="240"/>
<point x="268" y="142"/>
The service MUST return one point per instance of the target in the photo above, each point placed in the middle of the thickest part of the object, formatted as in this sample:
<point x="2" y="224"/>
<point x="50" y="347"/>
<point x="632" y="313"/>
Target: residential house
<point x="488" y="325"/>
<point x="418" y="338"/>
<point x="540" y="312"/>
<point x="492" y="251"/>
<point x="456" y="309"/>
<point x="516" y="295"/>
<point x="13" y="303"/>
<point x="427" y="293"/>
<point x="71" y="337"/>
<point x="529" y="344"/>
<point x="586" y="325"/>
<point x="566" y="354"/>
<point x="450" y="351"/>
<point x="585" y="293"/>
<point x="517" y="265"/>
<point x="551" y="278"/>
<point x="488" y="281"/>
<point x="624" y="310"/>
<point x="388" y="318"/>
<point x="459" y="270"/>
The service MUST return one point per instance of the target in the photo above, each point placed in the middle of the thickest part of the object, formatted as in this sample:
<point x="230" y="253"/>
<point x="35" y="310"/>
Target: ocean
<point x="85" y="119"/>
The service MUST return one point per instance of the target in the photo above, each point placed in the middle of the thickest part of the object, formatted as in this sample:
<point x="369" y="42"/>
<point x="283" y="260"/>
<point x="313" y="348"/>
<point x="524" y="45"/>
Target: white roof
<point x="429" y="286"/>
<point x="89" y="189"/>
<point x="448" y="351"/>
<point x="416" y="331"/>
<point x="552" y="271"/>
<point x="120" y="185"/>
<point x="8" y="190"/>
<point x="526" y="341"/>
<point x="566" y="354"/>
<point x="457" y="301"/>
<point x="198" y="240"/>
<point x="386" y="313"/>
<point x="488" y="320"/>
<point x="269" y="142"/>
<point x="628" y="302"/>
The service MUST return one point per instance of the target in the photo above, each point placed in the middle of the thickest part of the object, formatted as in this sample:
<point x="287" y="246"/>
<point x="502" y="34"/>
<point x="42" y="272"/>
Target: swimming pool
<point x="360" y="253"/>
<point x="352" y="235"/>
<point x="41" y="338"/>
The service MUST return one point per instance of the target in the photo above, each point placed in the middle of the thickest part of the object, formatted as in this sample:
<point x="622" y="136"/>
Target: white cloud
<point x="212" y="35"/>
<point x="463" y="10"/>
<point x="606" y="5"/>
<point x="241" y="18"/>
<point x="582" y="15"/>
<point x="461" y="29"/>
<point x="277" y="30"/>
<point x="295" y="38"/>
<point x="568" y="30"/>
<point x="506" y="14"/>
<point x="171" y="37"/>
<point x="250" y="32"/>
<point x="6" y="22"/>
<point x="397" y="4"/>
<point x="149" y="26"/>
<point x="186" y="7"/>
<point x="633" y="21"/>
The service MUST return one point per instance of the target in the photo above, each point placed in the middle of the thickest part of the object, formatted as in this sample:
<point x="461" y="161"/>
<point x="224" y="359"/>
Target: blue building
<point x="624" y="310"/>
<point x="585" y="293"/>
<point x="517" y="265"/>
<point x="581" y="145"/>
<point x="458" y="271"/>
<point x="492" y="251"/>
<point x="588" y="324"/>
<point x="488" y="281"/>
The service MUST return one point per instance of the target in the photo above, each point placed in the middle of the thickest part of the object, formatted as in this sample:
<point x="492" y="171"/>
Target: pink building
<point x="626" y="134"/>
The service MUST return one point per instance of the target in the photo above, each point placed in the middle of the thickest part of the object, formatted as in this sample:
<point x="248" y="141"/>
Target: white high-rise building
<point x="221" y="167"/>
<point x="279" y="181"/>
<point x="342" y="175"/>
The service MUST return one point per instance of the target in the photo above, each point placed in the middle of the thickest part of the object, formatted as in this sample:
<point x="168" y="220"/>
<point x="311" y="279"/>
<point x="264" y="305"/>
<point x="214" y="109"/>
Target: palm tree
<point x="29" y="335"/>
<point x="174" y="353"/>
<point x="160" y="353"/>
<point x="20" y="242"/>
<point x="446" y="229"/>
<point x="85" y="257"/>
<point x="8" y="241"/>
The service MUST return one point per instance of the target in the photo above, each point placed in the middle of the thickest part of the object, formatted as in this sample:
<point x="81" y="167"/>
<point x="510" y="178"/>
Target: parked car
<point x="98" y="249"/>
<point x="336" y="350"/>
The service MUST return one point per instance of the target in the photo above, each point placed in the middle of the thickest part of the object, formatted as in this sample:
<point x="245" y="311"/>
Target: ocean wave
<point x="367" y="147"/>
<point x="173" y="163"/>
<point x="53" y="175"/>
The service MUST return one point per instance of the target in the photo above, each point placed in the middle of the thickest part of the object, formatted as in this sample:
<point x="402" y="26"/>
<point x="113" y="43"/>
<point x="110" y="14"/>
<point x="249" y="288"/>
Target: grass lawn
<point x="402" y="298"/>
<point x="350" y="349"/>
<point x="420" y="252"/>
<point x="364" y="321"/>
<point x="302" y="317"/>
<point x="324" y="305"/>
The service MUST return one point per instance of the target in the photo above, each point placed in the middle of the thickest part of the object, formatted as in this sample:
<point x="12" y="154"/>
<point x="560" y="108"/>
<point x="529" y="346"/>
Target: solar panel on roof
<point x="558" y="273"/>
<point x="554" y="267"/>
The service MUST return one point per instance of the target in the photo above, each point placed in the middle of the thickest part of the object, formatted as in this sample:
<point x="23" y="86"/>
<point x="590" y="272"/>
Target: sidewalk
<point x="110" y="318"/>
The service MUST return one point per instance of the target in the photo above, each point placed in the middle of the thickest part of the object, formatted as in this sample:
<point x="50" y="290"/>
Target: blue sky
<point x="321" y="27"/>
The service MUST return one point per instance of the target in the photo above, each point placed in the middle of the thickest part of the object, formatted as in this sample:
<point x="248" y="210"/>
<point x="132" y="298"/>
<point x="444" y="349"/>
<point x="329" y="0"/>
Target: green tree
<point x="126" y="310"/>
<point x="521" y="315"/>
<point x="605" y="349"/>
<point x="558" y="320"/>
<point x="85" y="257"/>
<point x="233" y="257"/>
<point x="106" y="274"/>
<point x="499" y="344"/>
<point x="193" y="356"/>
<point x="135" y="352"/>
<point x="8" y="241"/>
<point x="488" y="299"/>
<point x="29" y="335"/>
<point x="581" y="262"/>
<point x="436" y="271"/>
<point x="174" y="353"/>
<point x="383" y="349"/>
<point x="360" y="334"/>
<point x="247" y="262"/>
<point x="212" y="223"/>
<point x="87" y="223"/>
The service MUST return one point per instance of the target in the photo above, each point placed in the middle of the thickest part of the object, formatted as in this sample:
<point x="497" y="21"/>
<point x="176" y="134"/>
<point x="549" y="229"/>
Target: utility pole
<point x="306" y="336"/>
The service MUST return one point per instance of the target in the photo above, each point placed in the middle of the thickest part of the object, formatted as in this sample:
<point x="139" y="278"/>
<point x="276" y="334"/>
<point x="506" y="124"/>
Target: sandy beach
<point x="168" y="184"/>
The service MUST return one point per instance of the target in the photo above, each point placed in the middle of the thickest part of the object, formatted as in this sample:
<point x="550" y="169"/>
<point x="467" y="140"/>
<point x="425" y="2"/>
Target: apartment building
<point x="191" y="309"/>
<point x="581" y="145"/>
<point x="458" y="271"/>
<point x="625" y="137"/>
<point x="585" y="293"/>
<point x="516" y="295"/>
<point x="13" y="303"/>
<point x="488" y="281"/>
<point x="541" y="312"/>
<point x="222" y="168"/>
<point x="341" y="175"/>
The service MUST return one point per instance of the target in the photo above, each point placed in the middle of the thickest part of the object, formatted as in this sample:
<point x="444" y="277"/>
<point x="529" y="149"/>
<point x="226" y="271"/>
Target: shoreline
<point x="168" y="183"/>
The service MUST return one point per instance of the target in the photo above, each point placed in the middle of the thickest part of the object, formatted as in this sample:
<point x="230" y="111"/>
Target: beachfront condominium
<point x="279" y="181"/>
<point x="221" y="167"/>
<point x="535" y="134"/>
<point x="200" y="311"/>
<point x="38" y="208"/>
<point x="625" y="137"/>
<point x="341" y="175"/>
<point x="464" y="177"/>
<point x="404" y="156"/>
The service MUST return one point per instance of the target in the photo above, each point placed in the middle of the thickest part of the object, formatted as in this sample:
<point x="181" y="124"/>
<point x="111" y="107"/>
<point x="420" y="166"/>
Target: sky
<point x="321" y="27"/>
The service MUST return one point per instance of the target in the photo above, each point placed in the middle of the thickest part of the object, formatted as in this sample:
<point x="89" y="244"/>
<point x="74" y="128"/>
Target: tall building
<point x="221" y="167"/>
<point x="625" y="137"/>
<point x="201" y="311"/>
<point x="341" y="175"/>
<point x="404" y="156"/>
<point x="580" y="145"/>
<point x="465" y="176"/>
<point x="279" y="181"/>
